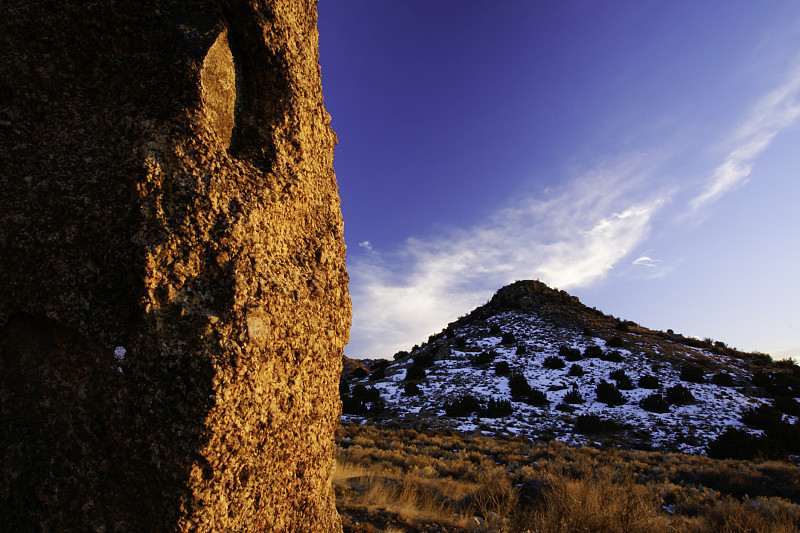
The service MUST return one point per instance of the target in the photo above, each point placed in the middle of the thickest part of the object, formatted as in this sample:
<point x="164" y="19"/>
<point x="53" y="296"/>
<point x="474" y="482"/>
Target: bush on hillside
<point x="593" y="352"/>
<point x="569" y="354"/>
<point x="459" y="342"/>
<point x="573" y="397"/>
<point x="508" y="338"/>
<point x="615" y="342"/>
<point x="519" y="386"/>
<point x="360" y="372"/>
<point x="537" y="398"/>
<point x="594" y="425"/>
<point x="344" y="387"/>
<point x="679" y="395"/>
<point x="414" y="373"/>
<point x="692" y="374"/>
<point x="576" y="371"/>
<point x="375" y="375"/>
<point x="609" y="394"/>
<point x="366" y="394"/>
<point x="522" y="349"/>
<point x="763" y="417"/>
<point x="624" y="381"/>
<point x="411" y="389"/>
<point x="736" y="443"/>
<point x="353" y="406"/>
<point x="497" y="408"/>
<point x="522" y="391"/>
<point x="648" y="381"/>
<point x="501" y="368"/>
<point x="495" y="330"/>
<point x="402" y="354"/>
<point x="553" y="362"/>
<point x="464" y="405"/>
<point x="723" y="379"/>
<point x="484" y="358"/>
<point x="613" y="356"/>
<point x="655" y="403"/>
<point x="789" y="406"/>
<point x="425" y="360"/>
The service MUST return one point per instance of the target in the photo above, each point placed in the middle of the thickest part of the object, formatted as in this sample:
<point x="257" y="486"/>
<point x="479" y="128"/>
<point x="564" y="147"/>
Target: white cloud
<point x="366" y="245"/>
<point x="645" y="261"/>
<point x="567" y="240"/>
<point x="773" y="113"/>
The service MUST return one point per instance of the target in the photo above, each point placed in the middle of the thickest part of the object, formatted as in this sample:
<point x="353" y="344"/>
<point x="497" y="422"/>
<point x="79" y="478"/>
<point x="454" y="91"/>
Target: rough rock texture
<point x="173" y="296"/>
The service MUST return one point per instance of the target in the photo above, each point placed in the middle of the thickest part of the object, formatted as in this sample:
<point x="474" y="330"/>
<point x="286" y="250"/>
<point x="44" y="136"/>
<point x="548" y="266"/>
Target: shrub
<point x="570" y="354"/>
<point x="618" y="374"/>
<point x="484" y="358"/>
<point x="624" y="382"/>
<point x="353" y="406"/>
<point x="464" y="405"/>
<point x="763" y="417"/>
<point x="378" y="406"/>
<point x="790" y="406"/>
<point x="692" y="374"/>
<point x="615" y="342"/>
<point x="537" y="398"/>
<point x="344" y="387"/>
<point x="722" y="379"/>
<point x="424" y="360"/>
<point x="648" y="381"/>
<point x="593" y="352"/>
<point x="593" y="424"/>
<point x="573" y="397"/>
<point x="402" y="354"/>
<point x="522" y="349"/>
<point x="497" y="408"/>
<point x="375" y="375"/>
<point x="459" y="342"/>
<point x="495" y="330"/>
<point x="380" y="363"/>
<point x="679" y="395"/>
<point x="366" y="394"/>
<point x="508" y="338"/>
<point x="522" y="391"/>
<point x="414" y="373"/>
<point x="576" y="370"/>
<point x="609" y="394"/>
<point x="519" y="386"/>
<point x="360" y="372"/>
<point x="553" y="362"/>
<point x="411" y="389"/>
<point x="501" y="368"/>
<point x="613" y="356"/>
<point x="736" y="443"/>
<point x="655" y="403"/>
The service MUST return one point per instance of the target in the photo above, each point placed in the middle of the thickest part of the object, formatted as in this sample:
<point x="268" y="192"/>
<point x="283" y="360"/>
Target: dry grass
<point x="406" y="480"/>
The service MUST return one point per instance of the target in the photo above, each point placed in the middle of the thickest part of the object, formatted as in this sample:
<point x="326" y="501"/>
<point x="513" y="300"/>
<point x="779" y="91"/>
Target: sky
<point x="641" y="155"/>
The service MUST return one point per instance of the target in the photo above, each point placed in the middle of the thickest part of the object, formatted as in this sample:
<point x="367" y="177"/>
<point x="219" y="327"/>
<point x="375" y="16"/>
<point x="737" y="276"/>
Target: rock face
<point x="173" y="295"/>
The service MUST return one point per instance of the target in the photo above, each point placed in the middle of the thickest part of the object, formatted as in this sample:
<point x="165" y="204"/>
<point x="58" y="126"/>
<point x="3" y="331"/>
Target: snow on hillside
<point x="686" y="428"/>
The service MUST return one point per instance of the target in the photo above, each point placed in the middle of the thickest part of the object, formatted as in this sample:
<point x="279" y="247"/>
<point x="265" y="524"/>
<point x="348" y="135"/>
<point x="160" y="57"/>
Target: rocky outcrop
<point x="173" y="296"/>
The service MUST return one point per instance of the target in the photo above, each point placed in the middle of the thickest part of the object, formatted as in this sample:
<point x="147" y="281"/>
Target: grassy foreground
<point x="404" y="480"/>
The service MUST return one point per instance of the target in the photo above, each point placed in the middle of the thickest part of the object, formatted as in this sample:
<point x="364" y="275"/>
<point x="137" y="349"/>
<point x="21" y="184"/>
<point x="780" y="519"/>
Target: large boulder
<point x="173" y="294"/>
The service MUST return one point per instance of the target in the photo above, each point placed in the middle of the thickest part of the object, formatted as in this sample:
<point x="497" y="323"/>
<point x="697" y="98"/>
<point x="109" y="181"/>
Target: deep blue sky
<point x="641" y="155"/>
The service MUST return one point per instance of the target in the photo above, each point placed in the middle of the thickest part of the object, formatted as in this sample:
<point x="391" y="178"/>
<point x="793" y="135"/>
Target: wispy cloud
<point x="569" y="239"/>
<point x="773" y="113"/>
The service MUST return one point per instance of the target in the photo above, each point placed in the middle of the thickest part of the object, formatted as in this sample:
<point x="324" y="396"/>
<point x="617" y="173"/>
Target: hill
<point x="536" y="362"/>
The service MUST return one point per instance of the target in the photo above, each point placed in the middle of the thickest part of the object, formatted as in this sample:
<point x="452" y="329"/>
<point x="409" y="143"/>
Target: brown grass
<point x="406" y="480"/>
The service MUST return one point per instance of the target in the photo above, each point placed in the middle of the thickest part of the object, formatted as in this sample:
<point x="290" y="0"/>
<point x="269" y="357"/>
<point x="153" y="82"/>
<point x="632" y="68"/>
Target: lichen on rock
<point x="173" y="295"/>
